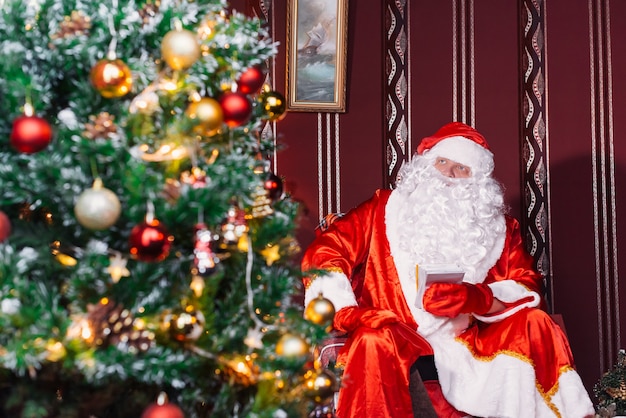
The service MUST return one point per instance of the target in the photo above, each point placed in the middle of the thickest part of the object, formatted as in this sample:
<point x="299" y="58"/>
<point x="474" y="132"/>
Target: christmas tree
<point x="147" y="248"/>
<point x="610" y="389"/>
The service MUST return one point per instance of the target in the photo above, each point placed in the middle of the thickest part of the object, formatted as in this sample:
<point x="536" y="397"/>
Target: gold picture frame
<point x="316" y="55"/>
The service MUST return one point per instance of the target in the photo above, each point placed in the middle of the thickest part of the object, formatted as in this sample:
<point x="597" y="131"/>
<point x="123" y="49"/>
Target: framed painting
<point x="316" y="55"/>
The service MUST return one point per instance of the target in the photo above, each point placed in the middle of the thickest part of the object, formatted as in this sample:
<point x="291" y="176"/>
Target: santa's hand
<point x="451" y="299"/>
<point x="349" y="318"/>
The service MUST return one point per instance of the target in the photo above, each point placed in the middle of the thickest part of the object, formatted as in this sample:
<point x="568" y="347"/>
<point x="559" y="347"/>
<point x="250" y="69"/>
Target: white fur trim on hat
<point x="464" y="151"/>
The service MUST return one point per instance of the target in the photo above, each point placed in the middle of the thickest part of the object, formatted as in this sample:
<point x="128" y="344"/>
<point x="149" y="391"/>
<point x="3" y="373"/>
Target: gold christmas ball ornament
<point x="97" y="208"/>
<point x="208" y="115"/>
<point x="274" y="105"/>
<point x="320" y="385"/>
<point x="112" y="78"/>
<point x="290" y="345"/>
<point x="320" y="311"/>
<point x="180" y="49"/>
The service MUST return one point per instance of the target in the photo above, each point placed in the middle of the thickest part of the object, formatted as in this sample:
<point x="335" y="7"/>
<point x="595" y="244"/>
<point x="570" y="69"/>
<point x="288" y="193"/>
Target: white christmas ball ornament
<point x="97" y="208"/>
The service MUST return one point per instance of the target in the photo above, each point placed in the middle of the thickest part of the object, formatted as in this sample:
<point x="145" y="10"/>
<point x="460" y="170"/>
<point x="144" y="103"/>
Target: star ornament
<point x="254" y="338"/>
<point x="271" y="254"/>
<point x="117" y="269"/>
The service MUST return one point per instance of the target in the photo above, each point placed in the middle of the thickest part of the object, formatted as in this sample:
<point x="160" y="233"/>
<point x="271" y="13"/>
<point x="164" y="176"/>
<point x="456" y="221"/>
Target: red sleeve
<point x="345" y="244"/>
<point x="515" y="262"/>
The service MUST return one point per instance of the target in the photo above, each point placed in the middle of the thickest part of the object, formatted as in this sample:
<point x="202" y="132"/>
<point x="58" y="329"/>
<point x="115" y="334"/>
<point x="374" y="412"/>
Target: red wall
<point x="585" y="154"/>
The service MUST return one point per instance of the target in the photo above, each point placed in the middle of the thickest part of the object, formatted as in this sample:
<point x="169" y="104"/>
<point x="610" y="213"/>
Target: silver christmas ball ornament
<point x="97" y="208"/>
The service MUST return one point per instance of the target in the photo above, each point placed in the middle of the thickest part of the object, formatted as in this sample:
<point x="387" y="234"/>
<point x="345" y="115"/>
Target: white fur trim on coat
<point x="510" y="292"/>
<point x="504" y="386"/>
<point x="335" y="287"/>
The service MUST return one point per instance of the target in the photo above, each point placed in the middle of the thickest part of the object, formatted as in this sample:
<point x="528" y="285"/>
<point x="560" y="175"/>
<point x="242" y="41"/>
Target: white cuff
<point x="510" y="292"/>
<point x="335" y="287"/>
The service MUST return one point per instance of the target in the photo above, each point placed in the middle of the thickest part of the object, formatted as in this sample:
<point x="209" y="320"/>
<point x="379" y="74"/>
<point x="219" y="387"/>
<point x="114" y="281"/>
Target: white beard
<point x="446" y="220"/>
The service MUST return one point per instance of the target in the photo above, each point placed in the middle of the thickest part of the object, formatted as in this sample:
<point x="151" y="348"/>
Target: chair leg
<point x="422" y="406"/>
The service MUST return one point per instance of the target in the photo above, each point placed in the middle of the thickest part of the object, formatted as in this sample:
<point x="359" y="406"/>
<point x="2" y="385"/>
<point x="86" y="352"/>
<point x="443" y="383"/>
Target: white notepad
<point x="426" y="274"/>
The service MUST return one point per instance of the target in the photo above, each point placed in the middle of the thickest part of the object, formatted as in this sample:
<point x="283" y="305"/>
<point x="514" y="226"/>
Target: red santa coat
<point x="516" y="363"/>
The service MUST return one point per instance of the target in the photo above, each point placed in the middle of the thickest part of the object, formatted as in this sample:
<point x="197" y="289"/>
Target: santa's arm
<point x="513" y="280"/>
<point x="331" y="258"/>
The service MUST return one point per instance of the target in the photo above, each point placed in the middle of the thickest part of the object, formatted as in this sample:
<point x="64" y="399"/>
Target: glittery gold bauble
<point x="274" y="105"/>
<point x="320" y="385"/>
<point x="320" y="311"/>
<point x="241" y="369"/>
<point x="207" y="112"/>
<point x="290" y="345"/>
<point x="180" y="49"/>
<point x="112" y="78"/>
<point x="97" y="208"/>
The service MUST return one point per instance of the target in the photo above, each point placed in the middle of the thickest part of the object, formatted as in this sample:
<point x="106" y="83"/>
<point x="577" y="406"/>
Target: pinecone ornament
<point x="148" y="11"/>
<point x="101" y="126"/>
<point x="112" y="324"/>
<point x="76" y="24"/>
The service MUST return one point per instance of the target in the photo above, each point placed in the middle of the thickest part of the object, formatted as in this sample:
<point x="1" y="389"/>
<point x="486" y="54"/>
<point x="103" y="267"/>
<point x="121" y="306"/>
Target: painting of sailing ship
<point x="316" y="63"/>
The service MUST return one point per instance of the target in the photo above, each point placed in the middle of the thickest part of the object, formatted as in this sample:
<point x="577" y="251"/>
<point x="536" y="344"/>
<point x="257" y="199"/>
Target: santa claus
<point x="494" y="351"/>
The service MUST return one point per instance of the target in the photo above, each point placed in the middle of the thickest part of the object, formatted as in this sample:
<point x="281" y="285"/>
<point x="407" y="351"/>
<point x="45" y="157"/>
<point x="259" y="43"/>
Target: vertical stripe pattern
<point x="396" y="88"/>
<point x="328" y="164"/>
<point x="603" y="166"/>
<point x="463" y="86"/>
<point x="536" y="219"/>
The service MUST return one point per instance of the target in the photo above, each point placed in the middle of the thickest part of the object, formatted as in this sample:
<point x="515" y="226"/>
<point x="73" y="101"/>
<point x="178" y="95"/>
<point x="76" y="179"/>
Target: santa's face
<point x="451" y="168"/>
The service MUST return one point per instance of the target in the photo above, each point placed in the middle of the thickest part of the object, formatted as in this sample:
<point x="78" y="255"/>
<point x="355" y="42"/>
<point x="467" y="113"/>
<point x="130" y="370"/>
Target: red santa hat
<point x="461" y="143"/>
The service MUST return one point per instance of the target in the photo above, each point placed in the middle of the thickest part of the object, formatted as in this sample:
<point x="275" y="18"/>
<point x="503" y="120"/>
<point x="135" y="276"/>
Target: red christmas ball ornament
<point x="162" y="409"/>
<point x="274" y="186"/>
<point x="251" y="80"/>
<point x="150" y="241"/>
<point x="30" y="134"/>
<point x="5" y="226"/>
<point x="236" y="108"/>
